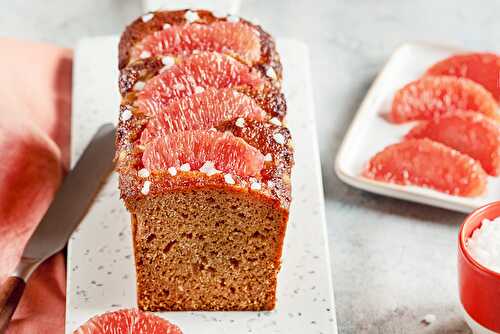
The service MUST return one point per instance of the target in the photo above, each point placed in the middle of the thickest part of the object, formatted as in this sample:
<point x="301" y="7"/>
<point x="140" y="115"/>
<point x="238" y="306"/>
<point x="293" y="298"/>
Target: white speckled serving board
<point x="369" y="132"/>
<point x="101" y="273"/>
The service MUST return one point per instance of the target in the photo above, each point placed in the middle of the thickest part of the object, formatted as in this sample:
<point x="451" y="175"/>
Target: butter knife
<point x="69" y="206"/>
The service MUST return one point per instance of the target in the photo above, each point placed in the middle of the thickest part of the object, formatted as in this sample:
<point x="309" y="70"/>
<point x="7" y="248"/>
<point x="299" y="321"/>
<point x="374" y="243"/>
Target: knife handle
<point x="10" y="294"/>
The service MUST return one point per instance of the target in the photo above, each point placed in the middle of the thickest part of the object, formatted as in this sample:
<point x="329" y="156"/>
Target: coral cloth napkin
<point x="35" y="109"/>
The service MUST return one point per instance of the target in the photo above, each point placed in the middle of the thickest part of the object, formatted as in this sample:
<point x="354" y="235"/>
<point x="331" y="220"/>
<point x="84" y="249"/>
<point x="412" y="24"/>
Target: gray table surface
<point x="393" y="262"/>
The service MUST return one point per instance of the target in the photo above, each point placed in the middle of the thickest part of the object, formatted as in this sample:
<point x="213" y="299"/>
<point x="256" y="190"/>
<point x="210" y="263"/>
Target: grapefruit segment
<point x="130" y="321"/>
<point x="202" y="111"/>
<point x="193" y="73"/>
<point x="425" y="163"/>
<point x="468" y="132"/>
<point x="483" y="68"/>
<point x="431" y="96"/>
<point x="222" y="150"/>
<point x="234" y="38"/>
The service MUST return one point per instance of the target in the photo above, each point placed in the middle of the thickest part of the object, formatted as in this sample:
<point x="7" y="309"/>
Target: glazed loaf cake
<point x="204" y="160"/>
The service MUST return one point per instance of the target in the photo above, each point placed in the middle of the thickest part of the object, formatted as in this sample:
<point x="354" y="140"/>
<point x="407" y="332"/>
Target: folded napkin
<point x="35" y="109"/>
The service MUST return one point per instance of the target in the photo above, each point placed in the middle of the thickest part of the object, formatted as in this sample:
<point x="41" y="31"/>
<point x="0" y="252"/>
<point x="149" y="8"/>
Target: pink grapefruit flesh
<point x="227" y="152"/>
<point x="468" y="132"/>
<point x="426" y="163"/>
<point x="194" y="73"/>
<point x="130" y="321"/>
<point x="233" y="38"/>
<point x="432" y="96"/>
<point x="202" y="111"/>
<point x="483" y="68"/>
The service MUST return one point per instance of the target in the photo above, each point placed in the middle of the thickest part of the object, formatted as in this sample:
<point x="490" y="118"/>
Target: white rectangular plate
<point x="101" y="274"/>
<point x="370" y="132"/>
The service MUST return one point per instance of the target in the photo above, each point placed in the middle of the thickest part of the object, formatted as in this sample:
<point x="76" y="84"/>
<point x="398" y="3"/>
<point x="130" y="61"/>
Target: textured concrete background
<point x="393" y="262"/>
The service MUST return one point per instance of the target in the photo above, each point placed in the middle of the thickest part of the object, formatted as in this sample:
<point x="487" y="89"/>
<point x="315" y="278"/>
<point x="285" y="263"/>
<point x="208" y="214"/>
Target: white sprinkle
<point x="255" y="185"/>
<point x="275" y="121"/>
<point x="166" y="26"/>
<point x="143" y="173"/>
<point x="240" y="122"/>
<point x="179" y="86"/>
<point x="191" y="16"/>
<point x="145" y="188"/>
<point x="139" y="85"/>
<point x="209" y="168"/>
<point x="145" y="54"/>
<point x="233" y="19"/>
<point x="268" y="157"/>
<point x="126" y="115"/>
<point x="172" y="171"/>
<point x="279" y="138"/>
<point x="147" y="17"/>
<point x="185" y="167"/>
<point x="271" y="73"/>
<point x="270" y="184"/>
<point x="429" y="319"/>
<point x="229" y="179"/>
<point x="199" y="89"/>
<point x="168" y="61"/>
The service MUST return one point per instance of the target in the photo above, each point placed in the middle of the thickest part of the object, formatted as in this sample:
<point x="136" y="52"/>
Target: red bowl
<point x="479" y="287"/>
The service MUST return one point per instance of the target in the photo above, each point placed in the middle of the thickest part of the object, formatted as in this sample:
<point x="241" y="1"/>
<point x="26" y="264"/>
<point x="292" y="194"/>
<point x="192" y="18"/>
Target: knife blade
<point x="69" y="206"/>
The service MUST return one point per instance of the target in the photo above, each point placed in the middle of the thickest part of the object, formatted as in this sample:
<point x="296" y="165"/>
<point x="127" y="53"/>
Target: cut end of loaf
<point x="207" y="249"/>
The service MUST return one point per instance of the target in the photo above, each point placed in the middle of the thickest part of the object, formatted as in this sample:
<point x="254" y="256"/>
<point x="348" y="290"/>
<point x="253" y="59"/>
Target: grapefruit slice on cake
<point x="208" y="150"/>
<point x="468" y="132"/>
<point x="431" y="96"/>
<point x="234" y="38"/>
<point x="130" y="321"/>
<point x="426" y="163"/>
<point x="483" y="68"/>
<point x="193" y="74"/>
<point x="202" y="111"/>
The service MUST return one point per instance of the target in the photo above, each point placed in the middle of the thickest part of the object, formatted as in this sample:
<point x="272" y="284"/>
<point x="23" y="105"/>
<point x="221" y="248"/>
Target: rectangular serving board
<point x="101" y="275"/>
<point x="370" y="132"/>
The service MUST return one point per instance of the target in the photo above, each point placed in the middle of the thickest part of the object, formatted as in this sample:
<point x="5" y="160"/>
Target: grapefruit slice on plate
<point x="428" y="164"/>
<point x="130" y="321"/>
<point x="234" y="38"/>
<point x="202" y="111"/>
<point x="431" y="96"/>
<point x="220" y="151"/>
<point x="468" y="132"/>
<point x="483" y="68"/>
<point x="193" y="74"/>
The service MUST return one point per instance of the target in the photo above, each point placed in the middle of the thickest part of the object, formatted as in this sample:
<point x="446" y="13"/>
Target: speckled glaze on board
<point x="101" y="274"/>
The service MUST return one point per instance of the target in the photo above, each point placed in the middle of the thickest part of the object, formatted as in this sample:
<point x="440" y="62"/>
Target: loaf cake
<point x="204" y="160"/>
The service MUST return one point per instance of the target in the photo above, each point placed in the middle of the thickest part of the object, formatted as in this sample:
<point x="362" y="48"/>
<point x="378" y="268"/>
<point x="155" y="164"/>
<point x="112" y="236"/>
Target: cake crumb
<point x="209" y="168"/>
<point x="146" y="187"/>
<point x="172" y="171"/>
<point x="143" y="173"/>
<point x="168" y="61"/>
<point x="145" y="54"/>
<point x="166" y="26"/>
<point x="191" y="16"/>
<point x="139" y="85"/>
<point x="229" y="179"/>
<point x="147" y="17"/>
<point x="126" y="115"/>
<point x="429" y="319"/>
<point x="255" y="185"/>
<point x="240" y="122"/>
<point x="271" y="73"/>
<point x="275" y="121"/>
<point x="279" y="138"/>
<point x="185" y="167"/>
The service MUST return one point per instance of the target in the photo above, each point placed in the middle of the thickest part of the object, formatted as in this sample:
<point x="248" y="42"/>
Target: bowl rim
<point x="463" y="249"/>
